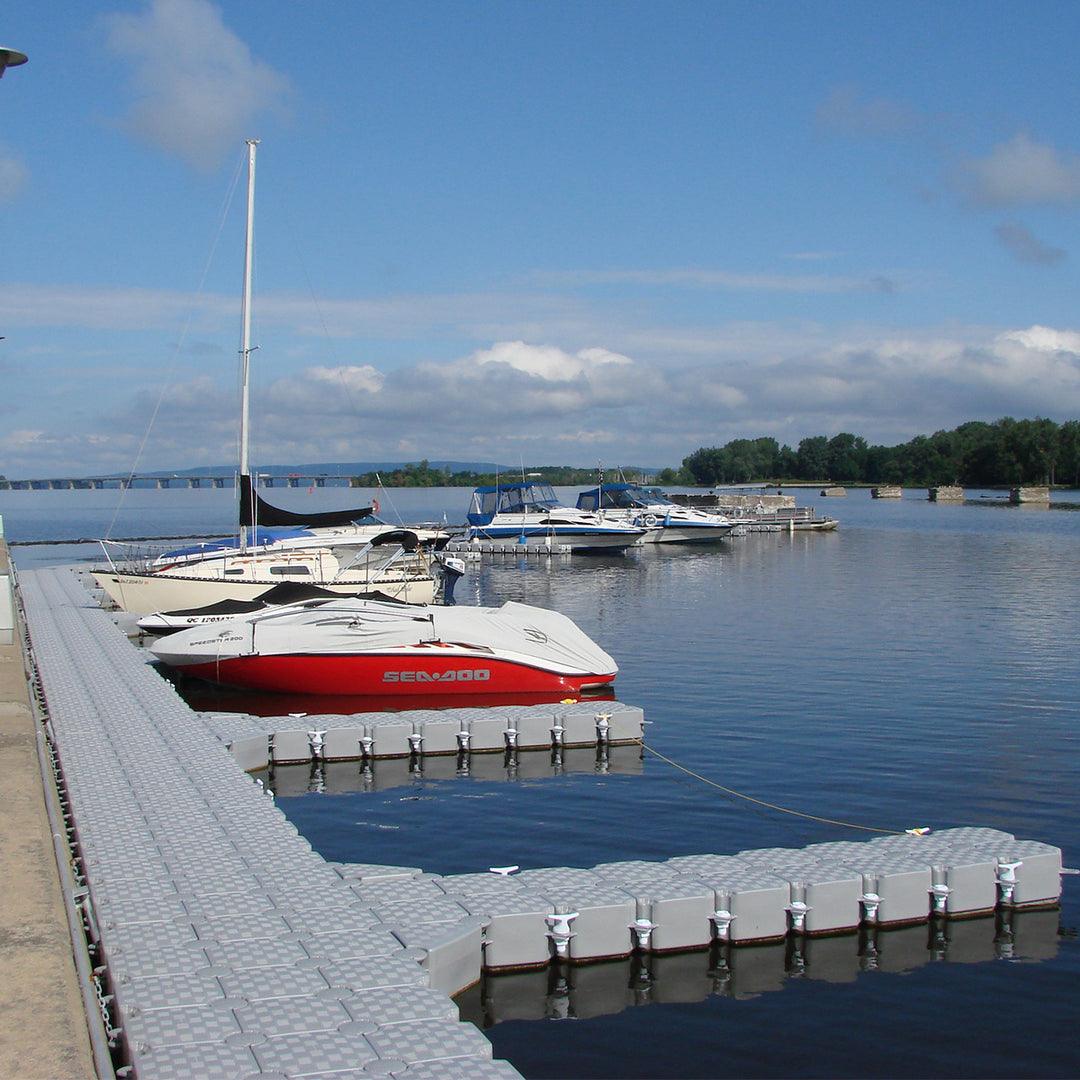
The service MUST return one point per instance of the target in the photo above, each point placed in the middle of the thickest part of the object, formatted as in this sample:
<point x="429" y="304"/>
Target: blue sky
<point x="546" y="232"/>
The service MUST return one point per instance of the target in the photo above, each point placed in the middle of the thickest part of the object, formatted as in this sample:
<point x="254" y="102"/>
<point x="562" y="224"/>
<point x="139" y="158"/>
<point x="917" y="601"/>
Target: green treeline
<point x="423" y="475"/>
<point x="1006" y="453"/>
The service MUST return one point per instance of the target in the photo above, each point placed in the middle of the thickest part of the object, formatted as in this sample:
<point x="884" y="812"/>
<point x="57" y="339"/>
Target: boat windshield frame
<point x="614" y="497"/>
<point x="537" y="497"/>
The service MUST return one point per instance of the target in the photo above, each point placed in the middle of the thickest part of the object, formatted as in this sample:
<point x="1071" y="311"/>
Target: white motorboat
<point x="356" y="647"/>
<point x="664" y="521"/>
<point x="288" y="592"/>
<point x="528" y="511"/>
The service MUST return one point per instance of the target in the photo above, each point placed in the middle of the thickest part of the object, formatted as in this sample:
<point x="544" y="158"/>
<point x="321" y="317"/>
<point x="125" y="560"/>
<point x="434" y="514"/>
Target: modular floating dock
<point x="219" y="944"/>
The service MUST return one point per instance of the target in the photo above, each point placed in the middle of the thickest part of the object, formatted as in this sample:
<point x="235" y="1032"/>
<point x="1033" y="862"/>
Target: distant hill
<point x="334" y="468"/>
<point x="358" y="468"/>
<point x="463" y="472"/>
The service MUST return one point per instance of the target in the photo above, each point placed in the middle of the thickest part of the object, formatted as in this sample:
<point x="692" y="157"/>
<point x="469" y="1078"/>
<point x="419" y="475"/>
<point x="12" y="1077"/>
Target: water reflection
<point x="564" y="991"/>
<point x="207" y="697"/>
<point x="383" y="774"/>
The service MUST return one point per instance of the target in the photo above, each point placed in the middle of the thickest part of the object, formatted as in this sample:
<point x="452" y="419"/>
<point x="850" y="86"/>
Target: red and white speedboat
<point x="357" y="646"/>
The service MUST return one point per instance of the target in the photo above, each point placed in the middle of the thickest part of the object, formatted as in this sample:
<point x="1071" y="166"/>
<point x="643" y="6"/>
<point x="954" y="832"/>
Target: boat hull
<point x="398" y="674"/>
<point x="593" y="540"/>
<point x="364" y="647"/>
<point x="819" y="525"/>
<point x="205" y="696"/>
<point x="143" y="593"/>
<point x="679" y="533"/>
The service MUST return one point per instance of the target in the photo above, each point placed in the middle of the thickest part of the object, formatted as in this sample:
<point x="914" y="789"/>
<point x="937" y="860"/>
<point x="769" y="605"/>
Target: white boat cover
<point x="517" y="632"/>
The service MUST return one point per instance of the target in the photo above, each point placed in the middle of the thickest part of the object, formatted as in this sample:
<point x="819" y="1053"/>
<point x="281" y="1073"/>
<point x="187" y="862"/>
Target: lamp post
<point x="10" y="58"/>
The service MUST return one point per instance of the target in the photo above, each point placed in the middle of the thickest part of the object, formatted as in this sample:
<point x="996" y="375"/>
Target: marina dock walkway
<point x="43" y="1030"/>
<point x="221" y="945"/>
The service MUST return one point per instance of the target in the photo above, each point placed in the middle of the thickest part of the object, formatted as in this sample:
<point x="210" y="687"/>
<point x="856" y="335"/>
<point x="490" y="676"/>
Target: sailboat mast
<point x="245" y="331"/>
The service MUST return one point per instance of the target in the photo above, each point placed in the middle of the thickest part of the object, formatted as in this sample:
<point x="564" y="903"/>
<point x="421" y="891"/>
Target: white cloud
<point x="698" y="391"/>
<point x="1020" y="240"/>
<point x="40" y="453"/>
<point x="1021" y="172"/>
<point x="550" y="405"/>
<point x="547" y="362"/>
<point x="847" y="110"/>
<point x="625" y="391"/>
<point x="105" y="308"/>
<point x="1045" y="339"/>
<point x="364" y="379"/>
<point x="730" y="280"/>
<point x="14" y="175"/>
<point x="815" y="256"/>
<point x="199" y="90"/>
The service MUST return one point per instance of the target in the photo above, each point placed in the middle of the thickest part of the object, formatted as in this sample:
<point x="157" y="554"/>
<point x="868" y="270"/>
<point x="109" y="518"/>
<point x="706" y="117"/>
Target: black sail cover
<point x="255" y="510"/>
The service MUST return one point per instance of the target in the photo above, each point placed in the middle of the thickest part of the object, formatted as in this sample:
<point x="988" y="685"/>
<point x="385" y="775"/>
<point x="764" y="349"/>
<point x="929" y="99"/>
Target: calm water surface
<point x="918" y="667"/>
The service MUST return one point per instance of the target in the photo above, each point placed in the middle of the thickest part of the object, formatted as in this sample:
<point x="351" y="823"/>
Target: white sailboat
<point x="345" y="551"/>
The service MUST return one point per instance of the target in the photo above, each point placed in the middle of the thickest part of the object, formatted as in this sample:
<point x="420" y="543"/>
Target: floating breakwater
<point x="257" y="742"/>
<point x="563" y="990"/>
<point x="534" y="916"/>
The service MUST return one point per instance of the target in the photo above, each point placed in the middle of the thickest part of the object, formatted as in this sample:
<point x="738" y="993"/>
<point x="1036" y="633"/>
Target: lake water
<point x="917" y="667"/>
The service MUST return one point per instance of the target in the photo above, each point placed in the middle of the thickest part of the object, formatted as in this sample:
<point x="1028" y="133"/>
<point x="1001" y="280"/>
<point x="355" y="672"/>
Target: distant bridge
<point x="294" y="480"/>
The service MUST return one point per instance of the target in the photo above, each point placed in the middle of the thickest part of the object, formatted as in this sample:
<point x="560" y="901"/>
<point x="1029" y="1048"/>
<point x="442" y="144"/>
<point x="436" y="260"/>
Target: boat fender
<point x="375" y="505"/>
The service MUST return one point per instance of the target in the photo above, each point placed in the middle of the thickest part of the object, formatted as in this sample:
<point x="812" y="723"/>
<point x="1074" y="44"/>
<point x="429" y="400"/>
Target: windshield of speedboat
<point x="624" y="498"/>
<point x="525" y="498"/>
<point x="617" y="497"/>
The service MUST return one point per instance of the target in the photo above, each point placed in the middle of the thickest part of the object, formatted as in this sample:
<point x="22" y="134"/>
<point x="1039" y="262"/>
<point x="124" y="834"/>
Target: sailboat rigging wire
<point x="339" y="367"/>
<point x="389" y="498"/>
<point x="178" y="348"/>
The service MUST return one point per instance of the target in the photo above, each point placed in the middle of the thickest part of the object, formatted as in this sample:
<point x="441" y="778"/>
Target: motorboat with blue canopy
<point x="529" y="511"/>
<point x="664" y="521"/>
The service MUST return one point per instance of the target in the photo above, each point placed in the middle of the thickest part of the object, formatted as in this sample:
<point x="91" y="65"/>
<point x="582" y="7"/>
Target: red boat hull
<point x="390" y="675"/>
<point x="208" y="697"/>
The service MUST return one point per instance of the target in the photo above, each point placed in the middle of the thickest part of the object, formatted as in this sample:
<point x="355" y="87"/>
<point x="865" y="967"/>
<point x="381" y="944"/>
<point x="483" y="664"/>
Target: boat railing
<point x="762" y="515"/>
<point x="371" y="563"/>
<point x="147" y="556"/>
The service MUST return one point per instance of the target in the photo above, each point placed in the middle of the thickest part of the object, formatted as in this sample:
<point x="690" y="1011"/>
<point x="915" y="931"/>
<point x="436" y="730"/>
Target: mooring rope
<point x="640" y="741"/>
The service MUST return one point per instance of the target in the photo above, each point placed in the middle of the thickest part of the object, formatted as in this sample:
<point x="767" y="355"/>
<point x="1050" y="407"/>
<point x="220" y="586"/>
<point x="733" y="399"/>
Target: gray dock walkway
<point x="43" y="1030"/>
<point x="224" y="946"/>
<point x="221" y="945"/>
